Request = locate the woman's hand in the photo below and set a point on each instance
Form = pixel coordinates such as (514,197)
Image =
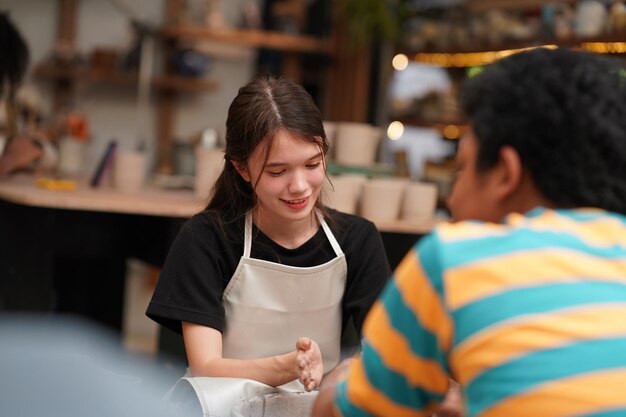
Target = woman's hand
(20,153)
(309,364)
(204,352)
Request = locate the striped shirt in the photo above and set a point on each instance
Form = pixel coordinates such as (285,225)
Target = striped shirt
(529,316)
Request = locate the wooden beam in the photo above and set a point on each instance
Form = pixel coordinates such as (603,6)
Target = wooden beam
(67,18)
(165,129)
(253,38)
(350,74)
(65,47)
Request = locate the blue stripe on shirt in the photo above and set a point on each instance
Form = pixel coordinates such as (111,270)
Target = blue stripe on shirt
(527,372)
(618,412)
(492,310)
(427,253)
(422,342)
(467,251)
(393,384)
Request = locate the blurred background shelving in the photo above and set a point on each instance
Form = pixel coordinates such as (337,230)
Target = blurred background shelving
(443,42)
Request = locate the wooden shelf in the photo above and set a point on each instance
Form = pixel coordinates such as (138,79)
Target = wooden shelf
(173,82)
(168,82)
(230,44)
(253,38)
(377,170)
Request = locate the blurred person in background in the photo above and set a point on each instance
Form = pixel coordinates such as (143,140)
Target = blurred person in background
(19,150)
(64,366)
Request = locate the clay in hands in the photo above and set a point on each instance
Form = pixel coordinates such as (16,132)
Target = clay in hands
(309,364)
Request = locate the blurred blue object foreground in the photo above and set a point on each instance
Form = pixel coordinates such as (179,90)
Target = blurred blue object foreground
(66,367)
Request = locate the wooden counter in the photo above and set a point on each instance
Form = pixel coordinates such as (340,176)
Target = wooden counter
(150,201)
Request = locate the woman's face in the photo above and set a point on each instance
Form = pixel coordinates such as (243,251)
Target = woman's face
(288,183)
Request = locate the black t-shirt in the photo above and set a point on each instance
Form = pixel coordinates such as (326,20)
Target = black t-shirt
(204,256)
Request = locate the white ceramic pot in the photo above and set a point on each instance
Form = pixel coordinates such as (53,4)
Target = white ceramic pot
(71,156)
(382,198)
(129,171)
(343,192)
(419,202)
(357,144)
(209,165)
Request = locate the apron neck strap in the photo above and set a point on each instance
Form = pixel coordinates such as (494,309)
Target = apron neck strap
(247,241)
(329,234)
(247,238)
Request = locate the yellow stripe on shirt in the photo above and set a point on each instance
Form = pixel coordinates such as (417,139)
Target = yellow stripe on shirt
(576,396)
(595,232)
(451,232)
(601,232)
(499,344)
(513,271)
(396,354)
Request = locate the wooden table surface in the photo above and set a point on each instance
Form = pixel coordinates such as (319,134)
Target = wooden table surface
(151,201)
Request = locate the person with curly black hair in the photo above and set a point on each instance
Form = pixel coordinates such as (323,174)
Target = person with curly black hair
(522,299)
(566,123)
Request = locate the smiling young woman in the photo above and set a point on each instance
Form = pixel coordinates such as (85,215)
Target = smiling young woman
(264,281)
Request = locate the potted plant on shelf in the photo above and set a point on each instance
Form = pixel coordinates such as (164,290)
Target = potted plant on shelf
(367,20)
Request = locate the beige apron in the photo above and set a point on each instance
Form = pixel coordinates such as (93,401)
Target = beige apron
(268,306)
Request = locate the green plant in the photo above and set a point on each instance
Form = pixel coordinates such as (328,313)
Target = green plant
(370,19)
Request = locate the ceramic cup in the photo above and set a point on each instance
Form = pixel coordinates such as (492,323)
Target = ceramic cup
(129,171)
(420,201)
(382,198)
(356,144)
(71,156)
(344,193)
(209,165)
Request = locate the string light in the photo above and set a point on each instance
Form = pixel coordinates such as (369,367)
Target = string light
(451,132)
(470,59)
(400,62)
(604,47)
(395,130)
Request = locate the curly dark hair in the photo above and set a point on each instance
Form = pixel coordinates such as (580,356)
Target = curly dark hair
(14,54)
(564,112)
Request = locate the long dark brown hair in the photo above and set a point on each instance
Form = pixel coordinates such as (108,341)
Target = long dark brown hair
(261,108)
